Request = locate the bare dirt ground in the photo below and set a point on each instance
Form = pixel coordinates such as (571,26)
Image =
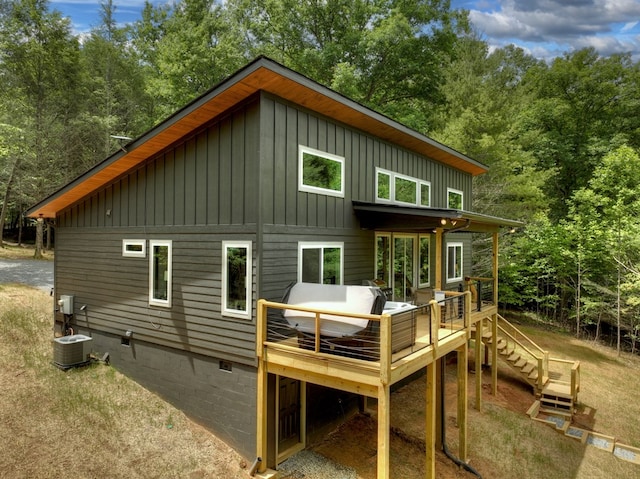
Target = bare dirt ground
(94,422)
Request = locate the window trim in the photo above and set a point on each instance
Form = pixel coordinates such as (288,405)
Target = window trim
(316,189)
(406,178)
(392,188)
(226,311)
(422,183)
(381,234)
(166,303)
(302,245)
(134,242)
(458,192)
(428,283)
(456,244)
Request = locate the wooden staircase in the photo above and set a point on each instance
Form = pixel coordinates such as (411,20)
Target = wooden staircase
(557,389)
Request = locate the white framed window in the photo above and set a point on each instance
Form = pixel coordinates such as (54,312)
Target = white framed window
(454,262)
(160,259)
(383,186)
(134,248)
(424,249)
(320,262)
(320,172)
(425,193)
(454,199)
(236,279)
(392,187)
(405,189)
(383,258)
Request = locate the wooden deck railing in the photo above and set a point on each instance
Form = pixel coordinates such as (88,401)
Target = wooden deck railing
(518,341)
(565,371)
(481,291)
(383,341)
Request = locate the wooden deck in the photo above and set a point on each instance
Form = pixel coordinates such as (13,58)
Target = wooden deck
(440,329)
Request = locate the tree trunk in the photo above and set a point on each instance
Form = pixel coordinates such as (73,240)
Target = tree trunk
(578,297)
(39,234)
(48,248)
(5,201)
(20,227)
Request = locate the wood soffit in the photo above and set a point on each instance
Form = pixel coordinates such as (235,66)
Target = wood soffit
(261,75)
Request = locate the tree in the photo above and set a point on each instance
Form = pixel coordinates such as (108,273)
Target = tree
(585,106)
(612,199)
(385,54)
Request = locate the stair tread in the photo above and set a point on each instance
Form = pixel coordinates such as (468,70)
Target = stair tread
(513,357)
(528,368)
(520,363)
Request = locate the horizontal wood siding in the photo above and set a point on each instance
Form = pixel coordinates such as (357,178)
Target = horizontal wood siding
(280,255)
(116,289)
(201,192)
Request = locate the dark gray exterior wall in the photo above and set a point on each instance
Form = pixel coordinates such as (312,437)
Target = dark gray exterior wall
(289,216)
(234,180)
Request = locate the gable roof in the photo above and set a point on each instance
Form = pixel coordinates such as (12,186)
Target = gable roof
(261,74)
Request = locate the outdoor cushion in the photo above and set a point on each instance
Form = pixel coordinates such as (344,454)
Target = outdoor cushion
(330,297)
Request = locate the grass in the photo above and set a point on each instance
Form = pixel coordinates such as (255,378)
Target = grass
(92,421)
(13,251)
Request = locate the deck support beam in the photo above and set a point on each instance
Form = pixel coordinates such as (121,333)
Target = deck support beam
(463,353)
(430,421)
(478,355)
(384,425)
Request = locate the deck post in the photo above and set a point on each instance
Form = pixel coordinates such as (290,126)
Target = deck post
(494,354)
(384,424)
(463,352)
(438,256)
(478,350)
(430,421)
(261,426)
(494,324)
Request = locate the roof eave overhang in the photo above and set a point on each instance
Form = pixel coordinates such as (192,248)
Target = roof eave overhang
(377,216)
(262,74)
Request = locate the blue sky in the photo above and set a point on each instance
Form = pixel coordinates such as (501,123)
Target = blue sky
(544,28)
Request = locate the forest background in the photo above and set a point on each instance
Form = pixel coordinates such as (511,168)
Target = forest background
(561,139)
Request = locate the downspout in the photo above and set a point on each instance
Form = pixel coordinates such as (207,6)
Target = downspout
(443,433)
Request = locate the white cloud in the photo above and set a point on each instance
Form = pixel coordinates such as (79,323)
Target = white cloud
(546,26)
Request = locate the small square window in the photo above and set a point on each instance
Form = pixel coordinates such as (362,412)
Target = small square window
(320,263)
(454,199)
(320,172)
(134,248)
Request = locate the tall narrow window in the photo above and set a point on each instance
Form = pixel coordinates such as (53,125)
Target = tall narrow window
(403,267)
(383,186)
(454,199)
(236,278)
(425,193)
(383,258)
(320,263)
(454,262)
(423,261)
(320,172)
(160,273)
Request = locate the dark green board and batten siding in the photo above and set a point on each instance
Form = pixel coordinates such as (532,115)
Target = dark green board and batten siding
(235,179)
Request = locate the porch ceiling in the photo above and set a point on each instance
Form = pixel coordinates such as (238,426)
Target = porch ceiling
(406,218)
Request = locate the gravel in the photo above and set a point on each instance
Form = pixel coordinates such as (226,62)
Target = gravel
(311,465)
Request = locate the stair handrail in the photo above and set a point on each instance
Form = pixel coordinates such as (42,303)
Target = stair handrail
(541,356)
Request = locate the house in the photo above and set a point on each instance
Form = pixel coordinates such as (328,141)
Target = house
(174,253)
